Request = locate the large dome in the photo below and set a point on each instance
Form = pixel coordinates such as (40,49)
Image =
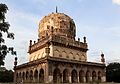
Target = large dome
(60,23)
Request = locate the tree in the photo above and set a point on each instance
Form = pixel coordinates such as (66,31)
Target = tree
(4,27)
(113,72)
(6,76)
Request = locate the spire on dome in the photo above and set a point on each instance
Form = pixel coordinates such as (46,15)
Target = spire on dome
(56,10)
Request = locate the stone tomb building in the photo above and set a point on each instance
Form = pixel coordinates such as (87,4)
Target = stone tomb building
(57,57)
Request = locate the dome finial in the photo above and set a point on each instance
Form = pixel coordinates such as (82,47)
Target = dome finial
(56,10)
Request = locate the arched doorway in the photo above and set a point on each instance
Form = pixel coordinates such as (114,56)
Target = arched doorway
(88,76)
(56,76)
(20,76)
(41,76)
(17,77)
(99,76)
(23,76)
(27,76)
(36,75)
(74,77)
(31,76)
(81,76)
(66,76)
(93,76)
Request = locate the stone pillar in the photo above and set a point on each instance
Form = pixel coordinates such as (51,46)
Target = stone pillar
(84,79)
(61,78)
(90,78)
(103,79)
(50,80)
(78,79)
(34,79)
(46,74)
(69,79)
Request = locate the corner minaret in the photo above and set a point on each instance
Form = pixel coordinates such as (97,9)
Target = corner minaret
(102,58)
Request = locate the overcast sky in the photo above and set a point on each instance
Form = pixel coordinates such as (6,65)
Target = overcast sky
(98,20)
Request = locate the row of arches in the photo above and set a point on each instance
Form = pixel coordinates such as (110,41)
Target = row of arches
(37,56)
(66,76)
(75,77)
(70,55)
(30,76)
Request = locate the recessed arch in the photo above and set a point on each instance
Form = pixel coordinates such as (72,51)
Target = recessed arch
(56,75)
(57,53)
(17,76)
(31,75)
(36,57)
(27,74)
(42,55)
(66,76)
(82,57)
(36,75)
(39,55)
(64,54)
(99,76)
(74,77)
(41,75)
(93,76)
(87,76)
(23,75)
(71,55)
(77,56)
(20,75)
(81,76)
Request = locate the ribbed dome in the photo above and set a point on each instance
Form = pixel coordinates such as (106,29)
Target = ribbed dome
(60,23)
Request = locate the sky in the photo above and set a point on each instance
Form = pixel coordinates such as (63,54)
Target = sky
(98,20)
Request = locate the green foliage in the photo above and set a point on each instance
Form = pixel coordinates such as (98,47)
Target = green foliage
(6,76)
(113,72)
(4,27)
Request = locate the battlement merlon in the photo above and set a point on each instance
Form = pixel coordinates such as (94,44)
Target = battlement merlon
(60,41)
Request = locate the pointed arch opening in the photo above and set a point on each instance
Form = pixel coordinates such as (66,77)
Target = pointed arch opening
(31,75)
(93,76)
(99,76)
(27,75)
(23,76)
(66,76)
(36,75)
(57,53)
(17,76)
(20,76)
(88,76)
(74,77)
(41,76)
(56,76)
(81,76)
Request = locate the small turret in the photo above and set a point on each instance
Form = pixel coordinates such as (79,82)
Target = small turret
(79,39)
(15,62)
(102,58)
(30,43)
(84,39)
(34,42)
(38,40)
